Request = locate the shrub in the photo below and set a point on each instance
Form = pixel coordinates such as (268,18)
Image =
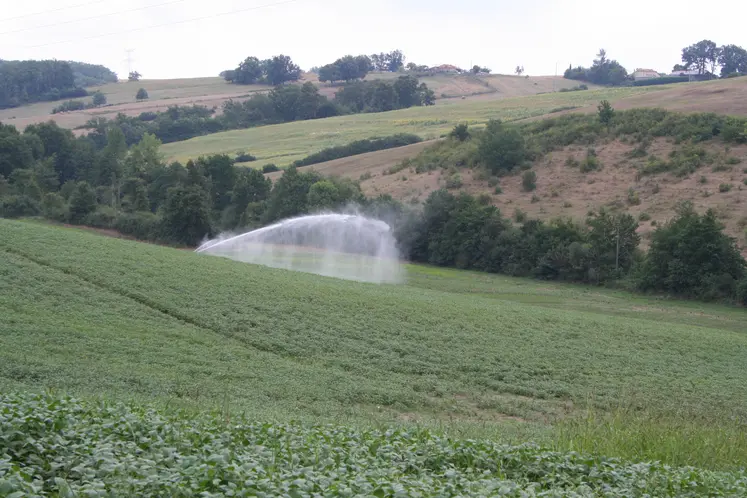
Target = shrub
(460,132)
(147,116)
(724,187)
(664,80)
(54,207)
(733,160)
(454,181)
(365,176)
(605,112)
(572,162)
(644,216)
(535,199)
(501,148)
(14,206)
(520,216)
(529,181)
(498,190)
(244,157)
(142,94)
(102,217)
(633,198)
(703,180)
(567,204)
(82,202)
(741,292)
(269,168)
(141,225)
(591,162)
(99,99)
(70,105)
(656,189)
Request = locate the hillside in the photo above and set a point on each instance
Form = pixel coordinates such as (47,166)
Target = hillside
(480,354)
(284,143)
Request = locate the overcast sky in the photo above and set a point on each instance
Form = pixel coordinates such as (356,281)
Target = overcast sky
(168,41)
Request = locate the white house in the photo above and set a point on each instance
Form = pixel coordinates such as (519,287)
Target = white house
(645,74)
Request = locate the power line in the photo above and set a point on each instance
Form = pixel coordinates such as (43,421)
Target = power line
(91,17)
(23,16)
(237,11)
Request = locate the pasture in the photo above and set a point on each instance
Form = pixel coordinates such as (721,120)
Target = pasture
(471,355)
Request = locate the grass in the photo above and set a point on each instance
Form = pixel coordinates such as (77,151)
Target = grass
(288,142)
(468,354)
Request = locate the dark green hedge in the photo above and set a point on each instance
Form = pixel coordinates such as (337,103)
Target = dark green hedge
(665,80)
(359,147)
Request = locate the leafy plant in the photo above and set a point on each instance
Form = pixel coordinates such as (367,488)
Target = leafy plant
(529,181)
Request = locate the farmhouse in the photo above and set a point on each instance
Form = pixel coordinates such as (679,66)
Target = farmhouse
(445,69)
(692,74)
(645,74)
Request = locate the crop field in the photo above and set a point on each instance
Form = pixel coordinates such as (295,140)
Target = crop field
(121,98)
(284,143)
(110,449)
(465,354)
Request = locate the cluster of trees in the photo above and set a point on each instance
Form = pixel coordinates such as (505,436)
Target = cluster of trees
(689,256)
(23,82)
(603,71)
(392,62)
(706,56)
(98,99)
(346,69)
(85,74)
(274,71)
(380,96)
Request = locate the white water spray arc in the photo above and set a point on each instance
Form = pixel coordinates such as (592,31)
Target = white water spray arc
(345,246)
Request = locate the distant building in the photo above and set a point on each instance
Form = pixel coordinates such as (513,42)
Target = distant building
(692,74)
(645,74)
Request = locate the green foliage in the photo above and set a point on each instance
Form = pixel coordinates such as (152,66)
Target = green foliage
(346,68)
(82,202)
(454,181)
(99,99)
(602,72)
(358,147)
(692,256)
(605,112)
(381,95)
(142,94)
(134,76)
(644,217)
(269,168)
(501,148)
(633,198)
(70,105)
(591,162)
(54,207)
(741,292)
(577,88)
(244,157)
(24,82)
(725,187)
(664,80)
(529,181)
(460,132)
(186,215)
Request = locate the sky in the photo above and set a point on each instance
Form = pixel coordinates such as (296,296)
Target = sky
(192,38)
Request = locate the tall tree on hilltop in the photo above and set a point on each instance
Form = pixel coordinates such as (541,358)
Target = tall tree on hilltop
(248,72)
(281,69)
(733,59)
(701,55)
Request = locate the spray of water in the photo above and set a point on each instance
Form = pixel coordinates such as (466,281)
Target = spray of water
(348,246)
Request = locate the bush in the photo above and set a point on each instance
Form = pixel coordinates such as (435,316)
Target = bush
(269,168)
(520,216)
(54,207)
(460,132)
(633,198)
(102,217)
(99,99)
(70,105)
(501,148)
(590,162)
(529,181)
(358,147)
(141,225)
(644,217)
(244,158)
(142,94)
(741,292)
(82,202)
(454,181)
(15,206)
(724,187)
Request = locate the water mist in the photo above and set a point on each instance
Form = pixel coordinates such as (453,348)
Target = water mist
(348,246)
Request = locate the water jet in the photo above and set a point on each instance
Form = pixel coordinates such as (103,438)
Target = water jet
(348,246)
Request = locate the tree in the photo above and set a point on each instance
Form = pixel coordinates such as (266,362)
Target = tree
(186,215)
(733,59)
(99,99)
(309,101)
(395,60)
(82,202)
(605,112)
(142,94)
(286,101)
(15,152)
(475,69)
(700,55)
(613,239)
(134,76)
(250,186)
(519,70)
(691,255)
(289,196)
(280,69)
(331,73)
(501,148)
(248,72)
(406,88)
(603,71)
(323,195)
(144,157)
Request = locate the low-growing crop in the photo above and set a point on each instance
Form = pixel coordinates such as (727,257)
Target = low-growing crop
(61,446)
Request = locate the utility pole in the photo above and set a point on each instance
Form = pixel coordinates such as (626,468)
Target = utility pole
(617,252)
(129,60)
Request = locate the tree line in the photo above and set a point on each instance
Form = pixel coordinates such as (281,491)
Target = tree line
(283,103)
(47,171)
(274,71)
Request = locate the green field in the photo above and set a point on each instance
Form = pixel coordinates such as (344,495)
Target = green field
(284,143)
(471,354)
